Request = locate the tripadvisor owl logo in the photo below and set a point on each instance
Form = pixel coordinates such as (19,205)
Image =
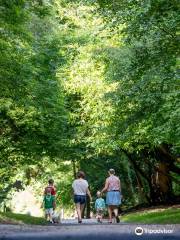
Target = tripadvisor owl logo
(139,231)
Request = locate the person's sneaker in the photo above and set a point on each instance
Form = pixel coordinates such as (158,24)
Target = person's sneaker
(79,221)
(117,219)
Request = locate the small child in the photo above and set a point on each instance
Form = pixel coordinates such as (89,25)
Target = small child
(49,205)
(100,207)
(51,187)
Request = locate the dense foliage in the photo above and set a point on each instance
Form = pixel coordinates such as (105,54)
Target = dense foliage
(32,111)
(145,124)
(91,85)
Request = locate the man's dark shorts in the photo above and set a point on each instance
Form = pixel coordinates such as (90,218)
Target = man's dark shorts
(80,199)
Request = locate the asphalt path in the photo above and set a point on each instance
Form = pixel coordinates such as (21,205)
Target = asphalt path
(90,231)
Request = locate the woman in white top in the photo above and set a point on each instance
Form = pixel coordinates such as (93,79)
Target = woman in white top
(80,188)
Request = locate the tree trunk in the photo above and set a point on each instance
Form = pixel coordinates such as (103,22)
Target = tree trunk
(162,184)
(88,208)
(159,182)
(139,172)
(74,168)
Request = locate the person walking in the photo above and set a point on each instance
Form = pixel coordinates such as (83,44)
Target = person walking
(113,195)
(51,187)
(100,207)
(49,205)
(81,190)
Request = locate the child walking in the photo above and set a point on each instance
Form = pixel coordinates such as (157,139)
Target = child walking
(49,205)
(100,207)
(51,187)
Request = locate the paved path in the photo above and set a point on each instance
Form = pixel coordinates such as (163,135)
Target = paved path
(69,230)
(85,221)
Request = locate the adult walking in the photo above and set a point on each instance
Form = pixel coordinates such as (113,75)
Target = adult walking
(81,190)
(113,195)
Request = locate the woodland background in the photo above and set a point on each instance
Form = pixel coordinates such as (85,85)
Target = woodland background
(90,85)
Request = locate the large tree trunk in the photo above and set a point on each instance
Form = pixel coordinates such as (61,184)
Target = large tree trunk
(162,184)
(157,177)
(139,173)
(161,178)
(163,154)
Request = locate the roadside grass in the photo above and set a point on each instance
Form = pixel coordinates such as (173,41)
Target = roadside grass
(148,216)
(156,216)
(16,218)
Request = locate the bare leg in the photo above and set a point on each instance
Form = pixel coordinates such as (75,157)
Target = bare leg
(78,209)
(116,214)
(82,209)
(116,211)
(110,213)
(100,217)
(50,217)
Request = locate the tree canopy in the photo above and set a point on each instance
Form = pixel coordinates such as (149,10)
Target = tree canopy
(91,85)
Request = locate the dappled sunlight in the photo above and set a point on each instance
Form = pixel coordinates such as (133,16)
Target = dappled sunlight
(155,210)
(89,85)
(25,202)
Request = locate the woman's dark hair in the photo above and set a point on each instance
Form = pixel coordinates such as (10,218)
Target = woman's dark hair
(51,181)
(80,174)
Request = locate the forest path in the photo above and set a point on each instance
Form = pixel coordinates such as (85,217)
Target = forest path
(88,231)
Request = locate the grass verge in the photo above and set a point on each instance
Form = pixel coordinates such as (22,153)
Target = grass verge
(156,216)
(15,218)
